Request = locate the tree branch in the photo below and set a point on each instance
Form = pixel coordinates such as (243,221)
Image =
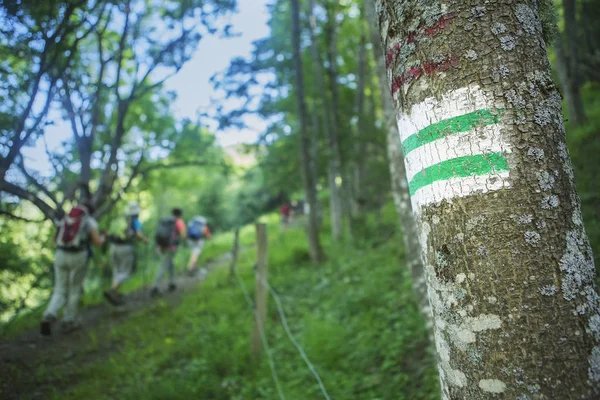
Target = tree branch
(23,219)
(96,99)
(34,182)
(50,158)
(167,49)
(25,194)
(18,140)
(122,49)
(68,105)
(180,164)
(134,173)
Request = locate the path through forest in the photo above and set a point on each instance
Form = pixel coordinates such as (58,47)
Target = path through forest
(21,357)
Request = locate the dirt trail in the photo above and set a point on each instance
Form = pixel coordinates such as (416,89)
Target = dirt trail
(20,356)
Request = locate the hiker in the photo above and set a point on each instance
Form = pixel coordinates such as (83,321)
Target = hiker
(170,231)
(75,232)
(197,231)
(284,212)
(122,253)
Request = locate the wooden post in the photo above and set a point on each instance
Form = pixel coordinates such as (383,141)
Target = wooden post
(234,252)
(261,290)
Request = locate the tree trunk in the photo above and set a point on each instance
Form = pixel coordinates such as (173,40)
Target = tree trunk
(84,146)
(337,184)
(586,25)
(398,173)
(314,245)
(335,208)
(109,174)
(359,156)
(567,83)
(509,269)
(314,155)
(573,81)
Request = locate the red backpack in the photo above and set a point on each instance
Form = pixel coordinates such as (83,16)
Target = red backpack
(70,233)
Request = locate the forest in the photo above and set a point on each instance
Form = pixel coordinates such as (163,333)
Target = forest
(416,215)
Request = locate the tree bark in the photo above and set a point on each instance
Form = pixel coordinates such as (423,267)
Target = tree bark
(337,184)
(84,145)
(586,25)
(330,128)
(358,162)
(509,269)
(314,244)
(314,155)
(573,77)
(399,185)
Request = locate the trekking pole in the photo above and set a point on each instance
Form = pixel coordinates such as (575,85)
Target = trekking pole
(145,264)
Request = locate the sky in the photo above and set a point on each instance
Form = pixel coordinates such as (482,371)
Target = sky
(213,55)
(192,84)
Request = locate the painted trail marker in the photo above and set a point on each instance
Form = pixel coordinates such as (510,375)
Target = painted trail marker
(453,147)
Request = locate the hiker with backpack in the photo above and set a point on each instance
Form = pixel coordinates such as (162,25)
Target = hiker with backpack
(170,231)
(284,212)
(122,253)
(197,231)
(75,232)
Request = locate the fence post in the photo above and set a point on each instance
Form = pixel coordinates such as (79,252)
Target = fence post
(234,252)
(261,290)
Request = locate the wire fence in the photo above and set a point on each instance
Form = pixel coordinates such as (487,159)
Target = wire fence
(287,329)
(262,336)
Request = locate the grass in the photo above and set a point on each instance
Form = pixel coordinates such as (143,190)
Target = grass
(99,279)
(355,316)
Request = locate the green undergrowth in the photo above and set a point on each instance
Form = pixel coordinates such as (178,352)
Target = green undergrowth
(584,147)
(354,315)
(99,274)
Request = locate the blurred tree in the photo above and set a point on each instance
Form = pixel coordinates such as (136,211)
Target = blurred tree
(310,190)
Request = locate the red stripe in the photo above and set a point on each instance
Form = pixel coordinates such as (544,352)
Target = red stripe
(413,36)
(427,68)
(439,26)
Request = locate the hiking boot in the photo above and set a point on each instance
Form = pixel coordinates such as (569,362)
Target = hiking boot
(113,297)
(155,292)
(46,325)
(119,298)
(69,326)
(45,328)
(172,287)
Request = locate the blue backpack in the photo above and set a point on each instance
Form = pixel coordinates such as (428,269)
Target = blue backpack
(196,229)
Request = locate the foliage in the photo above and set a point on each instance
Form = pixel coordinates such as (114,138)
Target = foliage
(584,145)
(365,345)
(271,69)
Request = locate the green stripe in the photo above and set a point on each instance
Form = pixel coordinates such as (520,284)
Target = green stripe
(479,164)
(462,123)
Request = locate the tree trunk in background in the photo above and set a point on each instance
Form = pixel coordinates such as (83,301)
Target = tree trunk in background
(329,126)
(573,76)
(314,155)
(586,24)
(398,173)
(509,269)
(359,152)
(322,109)
(84,146)
(314,244)
(336,168)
